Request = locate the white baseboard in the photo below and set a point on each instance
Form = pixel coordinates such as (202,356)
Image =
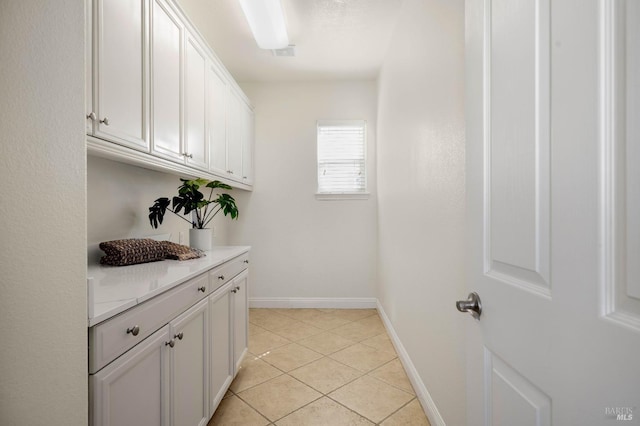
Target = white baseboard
(314,302)
(422,393)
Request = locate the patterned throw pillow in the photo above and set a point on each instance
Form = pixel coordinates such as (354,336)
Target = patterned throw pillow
(132,251)
(180,252)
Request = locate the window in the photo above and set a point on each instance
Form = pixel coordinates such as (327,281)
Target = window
(341,157)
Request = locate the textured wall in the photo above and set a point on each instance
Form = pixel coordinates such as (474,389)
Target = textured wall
(43,354)
(421,194)
(303,247)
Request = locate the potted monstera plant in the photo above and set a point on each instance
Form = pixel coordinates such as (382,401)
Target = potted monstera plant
(190,201)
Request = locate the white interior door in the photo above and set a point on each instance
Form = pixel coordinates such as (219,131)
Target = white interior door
(553,100)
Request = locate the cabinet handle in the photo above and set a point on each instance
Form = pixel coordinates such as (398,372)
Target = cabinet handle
(237,287)
(105,121)
(133,330)
(234,291)
(184,154)
(179,336)
(171,343)
(202,289)
(230,172)
(244,177)
(92,116)
(246,261)
(221,277)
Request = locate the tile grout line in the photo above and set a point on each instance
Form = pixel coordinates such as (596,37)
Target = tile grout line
(401,407)
(331,331)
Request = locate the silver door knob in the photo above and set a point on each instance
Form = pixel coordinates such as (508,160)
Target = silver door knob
(133,330)
(92,116)
(171,343)
(471,305)
(179,336)
(105,121)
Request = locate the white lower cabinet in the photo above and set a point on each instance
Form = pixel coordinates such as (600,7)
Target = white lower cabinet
(189,367)
(229,322)
(222,371)
(132,389)
(240,317)
(178,375)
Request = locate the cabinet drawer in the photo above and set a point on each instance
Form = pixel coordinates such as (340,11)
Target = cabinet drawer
(223,274)
(112,338)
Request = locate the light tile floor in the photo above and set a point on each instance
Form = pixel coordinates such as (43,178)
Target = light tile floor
(319,367)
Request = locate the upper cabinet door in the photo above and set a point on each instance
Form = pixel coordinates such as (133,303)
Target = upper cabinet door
(247,144)
(88,69)
(196,147)
(166,53)
(119,73)
(217,96)
(234,137)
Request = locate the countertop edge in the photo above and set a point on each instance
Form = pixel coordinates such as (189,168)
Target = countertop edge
(233,252)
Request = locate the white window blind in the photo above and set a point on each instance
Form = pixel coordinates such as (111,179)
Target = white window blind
(342,157)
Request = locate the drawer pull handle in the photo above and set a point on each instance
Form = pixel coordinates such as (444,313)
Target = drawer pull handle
(179,336)
(234,290)
(221,277)
(171,343)
(246,261)
(133,330)
(202,289)
(238,287)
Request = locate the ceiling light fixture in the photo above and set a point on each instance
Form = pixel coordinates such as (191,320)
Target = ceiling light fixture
(266,20)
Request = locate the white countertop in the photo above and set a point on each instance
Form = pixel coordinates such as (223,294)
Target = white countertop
(114,289)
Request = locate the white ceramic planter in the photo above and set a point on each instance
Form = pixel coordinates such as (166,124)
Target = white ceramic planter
(201,238)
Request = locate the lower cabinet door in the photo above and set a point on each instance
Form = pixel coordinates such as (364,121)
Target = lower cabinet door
(221,372)
(240,317)
(189,367)
(131,390)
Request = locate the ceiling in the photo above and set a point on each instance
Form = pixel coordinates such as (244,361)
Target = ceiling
(335,39)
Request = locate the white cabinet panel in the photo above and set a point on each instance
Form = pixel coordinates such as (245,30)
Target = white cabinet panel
(221,364)
(120,98)
(166,54)
(240,317)
(88,68)
(196,149)
(247,145)
(234,137)
(131,390)
(189,404)
(217,95)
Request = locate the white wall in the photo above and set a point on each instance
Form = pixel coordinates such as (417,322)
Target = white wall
(421,195)
(118,199)
(303,247)
(43,342)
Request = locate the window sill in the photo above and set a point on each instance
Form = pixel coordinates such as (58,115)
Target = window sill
(324,196)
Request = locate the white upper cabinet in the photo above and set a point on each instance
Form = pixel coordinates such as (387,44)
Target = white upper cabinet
(217,95)
(234,137)
(166,53)
(155,86)
(196,150)
(119,74)
(247,145)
